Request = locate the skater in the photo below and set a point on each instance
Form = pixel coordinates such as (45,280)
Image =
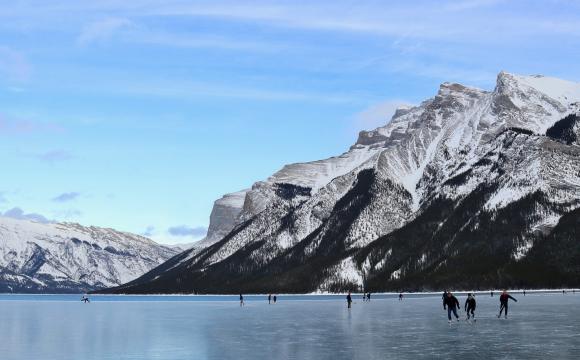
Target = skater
(348,300)
(275,299)
(269,299)
(451,304)
(469,307)
(524,292)
(368,296)
(442,297)
(401,297)
(491,293)
(503,301)
(241,300)
(85,299)
(364,296)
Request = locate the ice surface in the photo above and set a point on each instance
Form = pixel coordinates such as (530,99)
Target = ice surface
(166,327)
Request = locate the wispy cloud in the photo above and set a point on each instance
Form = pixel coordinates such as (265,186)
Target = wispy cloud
(65,197)
(102,30)
(452,20)
(378,114)
(67,214)
(149,231)
(10,125)
(184,230)
(196,90)
(14,65)
(196,41)
(18,213)
(53,156)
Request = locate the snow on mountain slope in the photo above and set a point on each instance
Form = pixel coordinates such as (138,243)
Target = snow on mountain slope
(223,218)
(66,257)
(385,210)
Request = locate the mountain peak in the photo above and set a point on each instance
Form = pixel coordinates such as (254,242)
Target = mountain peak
(564,91)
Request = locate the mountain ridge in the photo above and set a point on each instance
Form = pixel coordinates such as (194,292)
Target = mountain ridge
(70,258)
(336,224)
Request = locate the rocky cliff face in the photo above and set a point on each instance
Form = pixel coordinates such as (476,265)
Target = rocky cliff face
(461,190)
(70,258)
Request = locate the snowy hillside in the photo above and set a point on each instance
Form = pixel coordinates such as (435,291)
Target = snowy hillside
(66,257)
(467,175)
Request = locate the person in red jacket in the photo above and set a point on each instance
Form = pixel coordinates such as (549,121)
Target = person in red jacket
(503,303)
(451,304)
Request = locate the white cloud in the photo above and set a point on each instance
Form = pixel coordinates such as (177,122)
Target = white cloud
(102,30)
(53,156)
(18,213)
(184,230)
(67,196)
(149,231)
(378,114)
(14,65)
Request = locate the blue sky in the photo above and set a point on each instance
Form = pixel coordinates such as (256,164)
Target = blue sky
(137,115)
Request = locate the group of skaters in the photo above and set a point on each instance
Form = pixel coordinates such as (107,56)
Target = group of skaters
(271,299)
(365,297)
(451,304)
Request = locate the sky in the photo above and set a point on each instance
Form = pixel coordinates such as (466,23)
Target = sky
(138,115)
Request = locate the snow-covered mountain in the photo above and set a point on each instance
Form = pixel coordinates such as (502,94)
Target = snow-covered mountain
(471,188)
(67,257)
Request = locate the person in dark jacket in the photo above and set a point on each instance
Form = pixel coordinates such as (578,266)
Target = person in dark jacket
(348,300)
(269,299)
(241,300)
(503,303)
(368,296)
(451,304)
(469,307)
(275,298)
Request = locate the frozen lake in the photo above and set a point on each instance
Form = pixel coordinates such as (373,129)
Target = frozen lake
(541,326)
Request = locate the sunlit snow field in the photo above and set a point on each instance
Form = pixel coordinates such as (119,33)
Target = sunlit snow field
(540,326)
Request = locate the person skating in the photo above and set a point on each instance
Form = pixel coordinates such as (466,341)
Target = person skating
(241,300)
(470,306)
(369,296)
(85,299)
(451,304)
(275,299)
(269,299)
(401,297)
(444,295)
(503,303)
(349,300)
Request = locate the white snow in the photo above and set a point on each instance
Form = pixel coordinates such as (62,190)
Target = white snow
(74,253)
(420,149)
(395,275)
(563,91)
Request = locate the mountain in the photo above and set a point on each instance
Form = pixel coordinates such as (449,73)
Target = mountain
(69,258)
(469,189)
